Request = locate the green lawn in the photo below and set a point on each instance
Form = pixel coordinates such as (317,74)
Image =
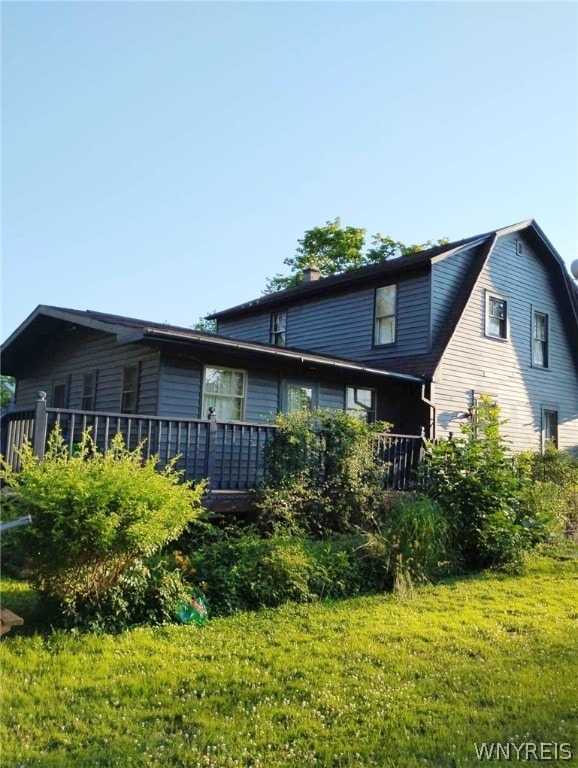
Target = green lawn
(372,681)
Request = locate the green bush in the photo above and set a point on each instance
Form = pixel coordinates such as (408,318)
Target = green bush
(477,482)
(246,571)
(553,488)
(322,475)
(96,519)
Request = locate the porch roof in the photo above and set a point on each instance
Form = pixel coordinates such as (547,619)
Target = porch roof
(45,319)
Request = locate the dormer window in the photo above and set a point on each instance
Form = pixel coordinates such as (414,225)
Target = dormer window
(278,328)
(385,315)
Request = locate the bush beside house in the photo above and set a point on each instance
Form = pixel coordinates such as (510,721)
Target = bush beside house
(115,542)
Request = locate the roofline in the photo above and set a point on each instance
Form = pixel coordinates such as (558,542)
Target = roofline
(150,331)
(417,261)
(287,354)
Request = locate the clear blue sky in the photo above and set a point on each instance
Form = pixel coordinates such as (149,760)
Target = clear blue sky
(161,159)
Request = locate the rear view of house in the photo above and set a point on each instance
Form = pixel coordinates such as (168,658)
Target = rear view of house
(413,341)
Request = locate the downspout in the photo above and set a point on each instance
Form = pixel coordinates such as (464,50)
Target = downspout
(433,410)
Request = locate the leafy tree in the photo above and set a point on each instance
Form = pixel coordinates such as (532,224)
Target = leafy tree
(333,249)
(7,384)
(203,324)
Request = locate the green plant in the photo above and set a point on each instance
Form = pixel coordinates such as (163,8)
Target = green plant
(553,488)
(476,481)
(322,475)
(96,517)
(417,538)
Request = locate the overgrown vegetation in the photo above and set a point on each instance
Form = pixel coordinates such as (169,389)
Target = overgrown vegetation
(484,492)
(322,475)
(115,542)
(98,519)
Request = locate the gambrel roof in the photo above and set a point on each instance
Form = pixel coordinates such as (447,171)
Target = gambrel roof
(418,263)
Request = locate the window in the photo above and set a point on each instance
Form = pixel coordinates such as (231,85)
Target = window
(130,388)
(385,310)
(550,428)
(60,391)
(299,395)
(89,391)
(539,340)
(360,403)
(278,328)
(496,317)
(224,390)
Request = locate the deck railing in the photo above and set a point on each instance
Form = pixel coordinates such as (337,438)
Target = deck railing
(232,454)
(402,456)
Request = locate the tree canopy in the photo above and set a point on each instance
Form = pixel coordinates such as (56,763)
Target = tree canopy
(333,249)
(6,390)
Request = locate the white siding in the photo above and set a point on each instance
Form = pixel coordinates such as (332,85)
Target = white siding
(474,363)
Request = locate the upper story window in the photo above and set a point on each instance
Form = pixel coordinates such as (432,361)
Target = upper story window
(360,403)
(130,388)
(224,390)
(89,391)
(496,316)
(539,339)
(278,329)
(385,315)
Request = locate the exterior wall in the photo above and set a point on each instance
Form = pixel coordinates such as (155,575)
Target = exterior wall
(447,277)
(85,351)
(343,325)
(474,363)
(180,391)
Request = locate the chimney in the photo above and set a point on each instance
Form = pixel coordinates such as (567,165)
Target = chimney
(311,274)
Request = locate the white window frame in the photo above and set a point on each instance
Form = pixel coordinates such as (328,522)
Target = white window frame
(370,413)
(278,328)
(216,396)
(378,318)
(304,384)
(548,408)
(546,342)
(497,297)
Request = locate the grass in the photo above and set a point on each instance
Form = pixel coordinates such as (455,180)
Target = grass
(373,681)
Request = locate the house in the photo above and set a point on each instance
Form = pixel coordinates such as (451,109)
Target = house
(496,313)
(413,341)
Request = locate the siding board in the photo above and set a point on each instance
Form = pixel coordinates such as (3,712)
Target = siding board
(87,350)
(474,363)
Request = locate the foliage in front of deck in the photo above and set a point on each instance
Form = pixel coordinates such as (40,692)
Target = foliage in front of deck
(322,474)
(98,519)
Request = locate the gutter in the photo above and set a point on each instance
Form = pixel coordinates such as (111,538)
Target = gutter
(433,410)
(282,354)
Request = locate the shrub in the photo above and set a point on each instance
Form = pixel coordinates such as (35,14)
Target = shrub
(322,475)
(96,518)
(553,488)
(476,481)
(246,571)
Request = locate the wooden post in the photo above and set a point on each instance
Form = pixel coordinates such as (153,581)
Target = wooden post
(40,426)
(211,444)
